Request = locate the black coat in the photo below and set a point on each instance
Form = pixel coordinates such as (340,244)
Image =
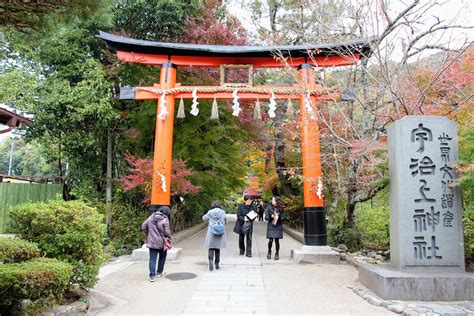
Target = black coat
(274,231)
(242,211)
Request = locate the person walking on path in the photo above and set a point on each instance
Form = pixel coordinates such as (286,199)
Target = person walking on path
(260,211)
(244,227)
(215,237)
(275,216)
(157,229)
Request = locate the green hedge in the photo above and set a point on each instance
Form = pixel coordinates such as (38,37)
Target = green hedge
(38,278)
(125,234)
(373,221)
(350,237)
(293,206)
(17,250)
(70,231)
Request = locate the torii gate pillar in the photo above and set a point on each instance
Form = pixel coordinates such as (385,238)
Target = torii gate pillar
(315,249)
(314,211)
(163,149)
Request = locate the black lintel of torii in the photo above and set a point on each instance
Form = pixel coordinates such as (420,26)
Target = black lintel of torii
(347,48)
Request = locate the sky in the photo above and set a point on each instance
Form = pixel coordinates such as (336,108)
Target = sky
(459,12)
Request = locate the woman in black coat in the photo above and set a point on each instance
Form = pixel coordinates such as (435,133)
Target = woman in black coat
(275,216)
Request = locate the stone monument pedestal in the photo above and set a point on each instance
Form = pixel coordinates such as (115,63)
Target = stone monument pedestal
(434,284)
(143,254)
(315,254)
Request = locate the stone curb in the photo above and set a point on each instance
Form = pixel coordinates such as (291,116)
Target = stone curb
(299,236)
(184,234)
(415,308)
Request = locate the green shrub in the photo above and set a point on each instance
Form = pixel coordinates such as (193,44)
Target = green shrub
(124,230)
(38,278)
(350,237)
(373,221)
(468,222)
(374,225)
(17,250)
(69,231)
(294,206)
(333,235)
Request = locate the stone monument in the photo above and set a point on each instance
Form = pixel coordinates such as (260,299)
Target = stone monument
(426,235)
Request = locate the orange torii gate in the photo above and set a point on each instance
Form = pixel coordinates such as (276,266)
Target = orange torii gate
(306,57)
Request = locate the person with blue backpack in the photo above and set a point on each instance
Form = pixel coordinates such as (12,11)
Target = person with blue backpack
(215,237)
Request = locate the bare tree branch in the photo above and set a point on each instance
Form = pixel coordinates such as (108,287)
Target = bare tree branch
(391,26)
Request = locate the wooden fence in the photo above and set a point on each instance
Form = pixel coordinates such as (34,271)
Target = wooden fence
(12,194)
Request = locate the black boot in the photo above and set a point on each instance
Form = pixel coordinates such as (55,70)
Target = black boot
(277,256)
(269,254)
(218,258)
(211,259)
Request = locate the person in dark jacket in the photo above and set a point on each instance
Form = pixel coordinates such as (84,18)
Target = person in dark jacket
(213,242)
(242,212)
(157,229)
(275,216)
(260,211)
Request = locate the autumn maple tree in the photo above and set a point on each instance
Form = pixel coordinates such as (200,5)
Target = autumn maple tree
(140,174)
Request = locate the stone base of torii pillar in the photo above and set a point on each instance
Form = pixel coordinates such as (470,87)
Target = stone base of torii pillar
(315,254)
(314,237)
(143,254)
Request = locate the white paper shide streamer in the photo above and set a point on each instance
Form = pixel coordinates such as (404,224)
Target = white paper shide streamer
(257,113)
(163,110)
(236,106)
(181,113)
(309,107)
(319,191)
(215,110)
(194,109)
(163,181)
(272,106)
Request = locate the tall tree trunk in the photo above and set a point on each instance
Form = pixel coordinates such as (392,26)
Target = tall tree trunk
(268,157)
(66,188)
(286,188)
(108,189)
(351,194)
(273,6)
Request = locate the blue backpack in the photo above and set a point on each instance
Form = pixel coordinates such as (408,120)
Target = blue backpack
(217,228)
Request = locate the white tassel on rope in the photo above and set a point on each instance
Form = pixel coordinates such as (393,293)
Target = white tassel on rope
(236,106)
(309,108)
(289,109)
(272,106)
(163,181)
(257,113)
(163,110)
(194,109)
(215,110)
(181,113)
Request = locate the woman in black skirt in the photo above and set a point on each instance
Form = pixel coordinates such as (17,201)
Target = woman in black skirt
(275,216)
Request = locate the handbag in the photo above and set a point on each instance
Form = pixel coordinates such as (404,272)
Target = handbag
(167,243)
(246,227)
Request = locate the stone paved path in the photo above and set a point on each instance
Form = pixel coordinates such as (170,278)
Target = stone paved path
(243,286)
(236,290)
